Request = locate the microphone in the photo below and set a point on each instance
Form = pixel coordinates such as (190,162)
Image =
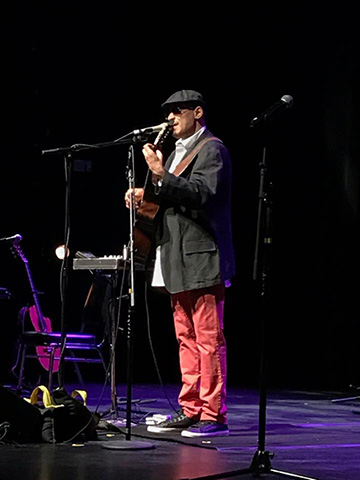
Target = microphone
(286,101)
(154,129)
(15,238)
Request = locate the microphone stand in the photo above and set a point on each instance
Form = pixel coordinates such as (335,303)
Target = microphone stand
(131,307)
(261,275)
(130,444)
(131,139)
(67,153)
(64,265)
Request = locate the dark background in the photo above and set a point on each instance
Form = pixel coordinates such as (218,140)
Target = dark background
(89,74)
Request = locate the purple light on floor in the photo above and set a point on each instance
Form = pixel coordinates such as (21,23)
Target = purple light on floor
(315,425)
(293,447)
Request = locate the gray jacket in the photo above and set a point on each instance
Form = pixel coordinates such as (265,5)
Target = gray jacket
(194,228)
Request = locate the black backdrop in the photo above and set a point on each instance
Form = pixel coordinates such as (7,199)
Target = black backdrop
(89,74)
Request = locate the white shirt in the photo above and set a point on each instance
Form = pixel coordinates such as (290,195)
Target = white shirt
(182,146)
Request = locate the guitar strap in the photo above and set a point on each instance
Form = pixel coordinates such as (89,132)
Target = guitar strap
(189,158)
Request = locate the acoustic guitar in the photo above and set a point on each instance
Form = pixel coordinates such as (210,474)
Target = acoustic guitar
(40,323)
(145,223)
(146,214)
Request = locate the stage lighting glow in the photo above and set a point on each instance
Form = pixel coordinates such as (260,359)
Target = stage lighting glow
(60,252)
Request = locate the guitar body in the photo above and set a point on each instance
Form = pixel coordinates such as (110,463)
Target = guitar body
(41,324)
(145,227)
(43,352)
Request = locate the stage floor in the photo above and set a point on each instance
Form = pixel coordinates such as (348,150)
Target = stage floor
(309,434)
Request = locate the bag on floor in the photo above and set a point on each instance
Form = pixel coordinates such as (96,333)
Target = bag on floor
(64,417)
(20,422)
(80,418)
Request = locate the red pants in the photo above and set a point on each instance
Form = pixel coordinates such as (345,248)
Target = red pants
(198,316)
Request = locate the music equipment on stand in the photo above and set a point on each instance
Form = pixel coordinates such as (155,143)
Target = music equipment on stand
(107,263)
(111,262)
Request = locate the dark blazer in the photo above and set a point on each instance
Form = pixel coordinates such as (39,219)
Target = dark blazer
(195,230)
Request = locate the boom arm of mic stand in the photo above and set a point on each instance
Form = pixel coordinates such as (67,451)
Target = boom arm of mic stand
(129,138)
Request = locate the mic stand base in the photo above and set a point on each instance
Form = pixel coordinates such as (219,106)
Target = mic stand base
(128,445)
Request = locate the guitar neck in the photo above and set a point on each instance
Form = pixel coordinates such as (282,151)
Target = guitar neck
(35,297)
(158,143)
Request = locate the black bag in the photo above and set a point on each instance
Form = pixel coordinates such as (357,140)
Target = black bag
(76,421)
(20,421)
(55,418)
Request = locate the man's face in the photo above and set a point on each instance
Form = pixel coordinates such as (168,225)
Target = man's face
(186,120)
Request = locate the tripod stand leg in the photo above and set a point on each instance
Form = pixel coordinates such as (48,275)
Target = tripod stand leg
(260,464)
(290,475)
(219,476)
(345,399)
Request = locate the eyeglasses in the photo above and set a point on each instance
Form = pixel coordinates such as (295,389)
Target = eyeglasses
(177,109)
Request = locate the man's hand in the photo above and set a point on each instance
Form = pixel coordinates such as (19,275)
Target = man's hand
(138,194)
(154,159)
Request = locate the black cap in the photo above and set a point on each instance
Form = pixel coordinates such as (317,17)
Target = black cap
(184,97)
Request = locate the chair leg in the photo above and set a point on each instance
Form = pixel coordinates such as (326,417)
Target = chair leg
(102,359)
(78,373)
(14,368)
(51,369)
(22,366)
(77,370)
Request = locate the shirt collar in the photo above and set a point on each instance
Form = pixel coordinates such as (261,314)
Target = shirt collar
(189,142)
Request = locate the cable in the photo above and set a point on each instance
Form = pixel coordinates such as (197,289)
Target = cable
(4,427)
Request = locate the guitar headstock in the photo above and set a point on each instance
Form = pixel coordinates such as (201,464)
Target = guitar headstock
(163,134)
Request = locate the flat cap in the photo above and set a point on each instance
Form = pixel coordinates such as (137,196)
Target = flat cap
(184,96)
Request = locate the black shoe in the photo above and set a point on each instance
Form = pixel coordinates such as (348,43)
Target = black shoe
(206,428)
(177,423)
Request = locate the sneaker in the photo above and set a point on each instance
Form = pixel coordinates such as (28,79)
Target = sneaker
(179,422)
(206,428)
